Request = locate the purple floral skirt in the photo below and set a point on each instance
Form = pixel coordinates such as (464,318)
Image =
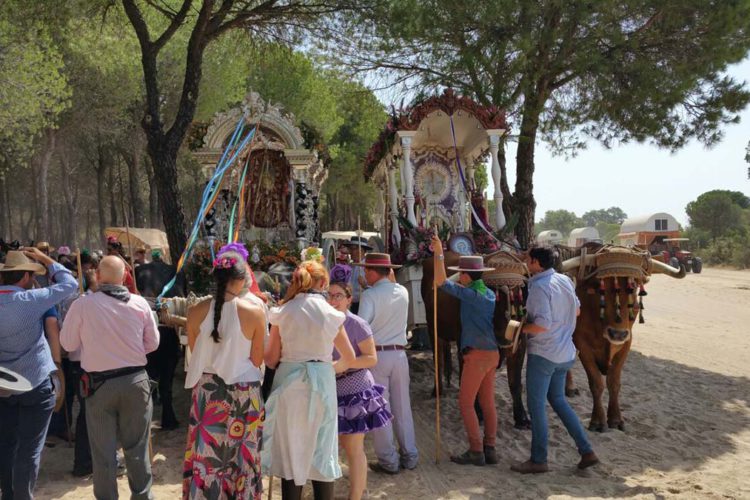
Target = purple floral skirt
(362,407)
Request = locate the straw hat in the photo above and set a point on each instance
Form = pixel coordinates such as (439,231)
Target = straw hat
(16,261)
(12,383)
(513,333)
(471,263)
(44,245)
(373,259)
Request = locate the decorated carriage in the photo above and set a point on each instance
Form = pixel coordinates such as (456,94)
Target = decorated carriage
(424,165)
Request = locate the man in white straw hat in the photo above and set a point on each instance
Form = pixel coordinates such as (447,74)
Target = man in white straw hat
(385,306)
(479,351)
(24,418)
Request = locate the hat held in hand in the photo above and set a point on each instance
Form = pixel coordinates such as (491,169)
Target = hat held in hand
(17,261)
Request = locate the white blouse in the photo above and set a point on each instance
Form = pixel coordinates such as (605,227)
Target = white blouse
(307,325)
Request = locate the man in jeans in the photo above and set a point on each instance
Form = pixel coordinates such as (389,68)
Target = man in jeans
(24,418)
(479,351)
(552,308)
(115,330)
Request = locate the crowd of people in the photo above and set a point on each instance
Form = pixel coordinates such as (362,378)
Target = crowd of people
(276,388)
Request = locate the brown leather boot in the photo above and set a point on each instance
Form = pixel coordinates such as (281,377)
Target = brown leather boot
(529,467)
(469,457)
(490,455)
(587,460)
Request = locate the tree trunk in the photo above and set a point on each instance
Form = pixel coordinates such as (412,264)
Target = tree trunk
(100,169)
(523,197)
(111,185)
(504,189)
(165,174)
(35,227)
(5,215)
(133,161)
(50,136)
(153,196)
(8,211)
(70,209)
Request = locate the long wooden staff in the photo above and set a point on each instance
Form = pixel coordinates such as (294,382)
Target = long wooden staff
(437,372)
(270,487)
(80,271)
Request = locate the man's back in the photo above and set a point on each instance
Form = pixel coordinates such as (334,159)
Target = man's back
(552,303)
(112,333)
(386,307)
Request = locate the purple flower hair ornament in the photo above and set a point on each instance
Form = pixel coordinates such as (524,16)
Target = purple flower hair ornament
(224,262)
(234,247)
(341,273)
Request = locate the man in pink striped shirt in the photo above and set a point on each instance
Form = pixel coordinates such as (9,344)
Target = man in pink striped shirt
(115,330)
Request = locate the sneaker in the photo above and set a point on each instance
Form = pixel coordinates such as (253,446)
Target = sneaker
(587,460)
(529,467)
(490,455)
(469,457)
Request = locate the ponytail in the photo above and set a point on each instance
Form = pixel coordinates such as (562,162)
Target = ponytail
(228,266)
(307,274)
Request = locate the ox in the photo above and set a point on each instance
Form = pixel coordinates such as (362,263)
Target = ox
(449,330)
(607,284)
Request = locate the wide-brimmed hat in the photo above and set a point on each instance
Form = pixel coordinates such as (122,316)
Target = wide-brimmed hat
(16,261)
(13,383)
(358,241)
(377,260)
(513,333)
(45,244)
(471,263)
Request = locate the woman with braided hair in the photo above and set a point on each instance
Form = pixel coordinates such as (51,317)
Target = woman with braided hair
(226,335)
(300,440)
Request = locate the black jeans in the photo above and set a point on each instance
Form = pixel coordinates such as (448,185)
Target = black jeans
(161,366)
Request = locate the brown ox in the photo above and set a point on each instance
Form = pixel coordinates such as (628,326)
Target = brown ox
(603,338)
(449,330)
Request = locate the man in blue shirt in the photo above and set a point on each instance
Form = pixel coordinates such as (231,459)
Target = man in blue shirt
(552,308)
(24,418)
(479,350)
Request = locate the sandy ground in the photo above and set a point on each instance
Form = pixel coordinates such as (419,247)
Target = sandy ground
(685,398)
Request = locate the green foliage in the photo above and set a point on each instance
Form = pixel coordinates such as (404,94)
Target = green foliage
(33,87)
(718,212)
(729,250)
(611,215)
(561,220)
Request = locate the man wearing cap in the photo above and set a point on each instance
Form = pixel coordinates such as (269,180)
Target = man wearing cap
(24,418)
(357,245)
(552,307)
(478,349)
(385,306)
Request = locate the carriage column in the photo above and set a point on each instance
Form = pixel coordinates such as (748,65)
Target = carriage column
(408,172)
(393,201)
(495,135)
(304,227)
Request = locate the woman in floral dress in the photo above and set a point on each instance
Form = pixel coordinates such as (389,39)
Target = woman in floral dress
(226,336)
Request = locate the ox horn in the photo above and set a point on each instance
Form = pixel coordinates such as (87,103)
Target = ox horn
(658,267)
(575,262)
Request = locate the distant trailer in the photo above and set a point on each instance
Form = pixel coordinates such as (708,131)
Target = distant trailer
(648,231)
(549,237)
(581,235)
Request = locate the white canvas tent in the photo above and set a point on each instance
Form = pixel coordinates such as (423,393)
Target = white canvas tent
(151,239)
(549,237)
(581,235)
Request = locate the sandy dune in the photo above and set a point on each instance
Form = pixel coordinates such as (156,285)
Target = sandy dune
(685,398)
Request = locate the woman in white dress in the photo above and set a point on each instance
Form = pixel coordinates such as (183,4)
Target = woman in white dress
(300,439)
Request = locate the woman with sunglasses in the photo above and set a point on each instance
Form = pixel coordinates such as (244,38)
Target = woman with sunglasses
(362,406)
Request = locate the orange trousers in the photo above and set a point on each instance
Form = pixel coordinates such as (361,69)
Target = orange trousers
(478,379)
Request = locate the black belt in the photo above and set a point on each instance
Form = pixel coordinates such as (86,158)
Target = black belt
(390,348)
(117,372)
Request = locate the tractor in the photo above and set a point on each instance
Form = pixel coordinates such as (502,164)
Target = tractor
(678,255)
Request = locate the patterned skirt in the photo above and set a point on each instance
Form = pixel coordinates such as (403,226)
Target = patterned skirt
(224,440)
(362,407)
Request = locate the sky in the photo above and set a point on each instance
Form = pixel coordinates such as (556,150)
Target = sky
(639,178)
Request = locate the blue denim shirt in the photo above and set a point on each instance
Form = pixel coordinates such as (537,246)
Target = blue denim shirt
(23,347)
(552,304)
(477,313)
